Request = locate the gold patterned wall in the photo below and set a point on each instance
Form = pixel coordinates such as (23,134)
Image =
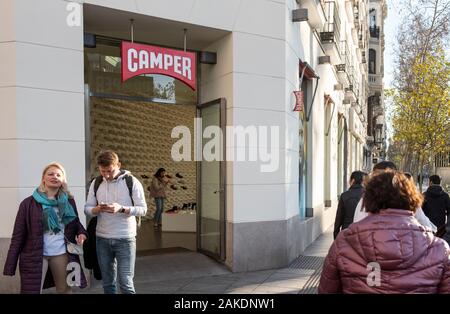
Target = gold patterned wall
(140,133)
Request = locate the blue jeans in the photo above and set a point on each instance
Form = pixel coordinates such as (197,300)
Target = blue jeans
(159,202)
(122,251)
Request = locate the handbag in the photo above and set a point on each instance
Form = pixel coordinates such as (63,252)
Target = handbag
(73,248)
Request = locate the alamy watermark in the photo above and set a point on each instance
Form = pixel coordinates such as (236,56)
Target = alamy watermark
(73,19)
(73,278)
(251,143)
(374,277)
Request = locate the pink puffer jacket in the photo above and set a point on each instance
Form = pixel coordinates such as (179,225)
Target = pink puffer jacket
(410,258)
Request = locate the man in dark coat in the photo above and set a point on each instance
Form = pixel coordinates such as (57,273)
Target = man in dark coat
(348,202)
(436,204)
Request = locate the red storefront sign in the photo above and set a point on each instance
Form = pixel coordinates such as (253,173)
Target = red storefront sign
(140,59)
(298,100)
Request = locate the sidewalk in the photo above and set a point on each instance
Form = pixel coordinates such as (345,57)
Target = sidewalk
(194,273)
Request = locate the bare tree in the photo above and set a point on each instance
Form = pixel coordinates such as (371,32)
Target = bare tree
(424,29)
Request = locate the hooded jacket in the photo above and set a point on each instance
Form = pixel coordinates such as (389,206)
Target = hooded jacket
(387,252)
(436,205)
(118,225)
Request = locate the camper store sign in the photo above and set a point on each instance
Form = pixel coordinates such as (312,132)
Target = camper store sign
(140,59)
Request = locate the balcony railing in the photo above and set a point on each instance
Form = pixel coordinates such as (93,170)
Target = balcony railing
(351,79)
(331,30)
(375,79)
(316,13)
(374,32)
(356,16)
(345,57)
(362,37)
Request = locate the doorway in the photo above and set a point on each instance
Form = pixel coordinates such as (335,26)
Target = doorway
(136,119)
(212,173)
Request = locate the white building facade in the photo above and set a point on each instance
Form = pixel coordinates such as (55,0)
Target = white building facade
(376,129)
(59,61)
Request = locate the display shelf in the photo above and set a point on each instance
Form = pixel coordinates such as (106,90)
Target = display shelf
(140,133)
(181,221)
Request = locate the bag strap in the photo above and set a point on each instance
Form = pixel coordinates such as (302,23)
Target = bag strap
(129,181)
(97,182)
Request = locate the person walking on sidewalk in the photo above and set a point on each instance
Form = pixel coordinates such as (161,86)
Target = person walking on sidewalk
(348,201)
(44,222)
(389,251)
(361,213)
(116,227)
(436,204)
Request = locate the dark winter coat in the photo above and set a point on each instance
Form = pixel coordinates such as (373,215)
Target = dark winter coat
(27,246)
(410,258)
(436,205)
(90,249)
(346,208)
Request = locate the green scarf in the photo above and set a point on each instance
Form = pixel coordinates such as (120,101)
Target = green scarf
(66,211)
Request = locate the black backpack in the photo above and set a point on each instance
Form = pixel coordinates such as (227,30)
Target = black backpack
(128,179)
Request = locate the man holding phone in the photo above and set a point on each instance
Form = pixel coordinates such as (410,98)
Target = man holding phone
(116,210)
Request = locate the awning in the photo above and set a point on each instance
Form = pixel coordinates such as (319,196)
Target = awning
(329,100)
(306,71)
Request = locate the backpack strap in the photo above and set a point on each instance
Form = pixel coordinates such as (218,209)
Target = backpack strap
(97,182)
(129,181)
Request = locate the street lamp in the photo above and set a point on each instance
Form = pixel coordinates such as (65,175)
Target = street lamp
(379,133)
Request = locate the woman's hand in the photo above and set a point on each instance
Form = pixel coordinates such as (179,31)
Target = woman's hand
(80,239)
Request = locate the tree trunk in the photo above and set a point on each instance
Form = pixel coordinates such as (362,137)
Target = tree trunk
(432,163)
(421,172)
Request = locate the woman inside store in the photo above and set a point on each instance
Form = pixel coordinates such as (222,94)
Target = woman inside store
(45,222)
(389,251)
(158,191)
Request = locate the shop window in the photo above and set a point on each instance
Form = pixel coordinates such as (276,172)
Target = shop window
(303,152)
(103,74)
(373,18)
(372,61)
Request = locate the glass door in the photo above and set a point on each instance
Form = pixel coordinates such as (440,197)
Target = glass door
(211,167)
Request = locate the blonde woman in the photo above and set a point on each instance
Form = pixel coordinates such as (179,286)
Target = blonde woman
(44,222)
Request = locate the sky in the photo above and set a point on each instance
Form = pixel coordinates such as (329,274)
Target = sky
(391,24)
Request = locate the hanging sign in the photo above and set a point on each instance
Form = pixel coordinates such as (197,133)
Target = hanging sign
(140,59)
(299,100)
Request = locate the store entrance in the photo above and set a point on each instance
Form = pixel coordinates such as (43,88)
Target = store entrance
(136,119)
(140,132)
